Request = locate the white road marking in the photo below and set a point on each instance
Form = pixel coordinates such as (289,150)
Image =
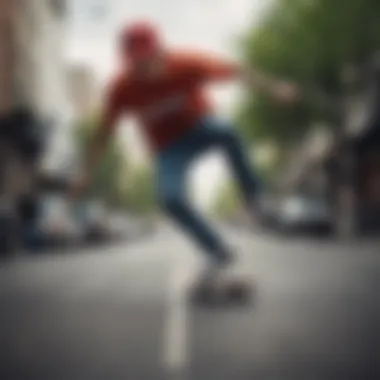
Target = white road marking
(176,329)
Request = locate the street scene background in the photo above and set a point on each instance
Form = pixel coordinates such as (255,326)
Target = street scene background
(97,289)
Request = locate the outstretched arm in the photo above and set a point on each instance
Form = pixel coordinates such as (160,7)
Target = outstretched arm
(208,68)
(280,90)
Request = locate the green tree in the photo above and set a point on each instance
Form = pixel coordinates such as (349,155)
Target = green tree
(308,41)
(116,182)
(106,184)
(139,195)
(227,201)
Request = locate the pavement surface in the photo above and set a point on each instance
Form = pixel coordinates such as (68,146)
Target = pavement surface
(121,312)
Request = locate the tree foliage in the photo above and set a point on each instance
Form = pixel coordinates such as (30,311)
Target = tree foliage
(116,182)
(139,192)
(226,201)
(106,184)
(310,42)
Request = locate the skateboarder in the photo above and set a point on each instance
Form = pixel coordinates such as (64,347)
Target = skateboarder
(164,90)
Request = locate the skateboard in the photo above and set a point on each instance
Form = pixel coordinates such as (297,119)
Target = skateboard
(234,292)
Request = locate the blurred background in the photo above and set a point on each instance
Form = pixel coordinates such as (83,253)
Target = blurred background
(320,159)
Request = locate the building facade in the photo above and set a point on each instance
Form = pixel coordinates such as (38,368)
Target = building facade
(31,68)
(47,92)
(8,52)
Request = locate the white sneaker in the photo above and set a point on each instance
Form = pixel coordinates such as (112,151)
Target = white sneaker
(220,275)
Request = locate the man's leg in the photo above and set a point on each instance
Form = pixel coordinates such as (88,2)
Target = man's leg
(221,134)
(171,181)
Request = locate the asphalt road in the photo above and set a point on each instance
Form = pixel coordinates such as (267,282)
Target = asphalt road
(121,313)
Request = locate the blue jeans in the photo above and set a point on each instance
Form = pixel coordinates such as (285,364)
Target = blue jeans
(172,168)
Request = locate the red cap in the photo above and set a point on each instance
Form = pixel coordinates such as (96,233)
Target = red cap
(139,40)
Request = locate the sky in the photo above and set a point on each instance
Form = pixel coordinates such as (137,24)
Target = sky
(205,24)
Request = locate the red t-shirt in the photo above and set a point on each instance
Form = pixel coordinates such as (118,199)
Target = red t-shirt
(171,104)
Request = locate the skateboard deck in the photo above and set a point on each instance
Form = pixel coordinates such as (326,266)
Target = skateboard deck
(234,292)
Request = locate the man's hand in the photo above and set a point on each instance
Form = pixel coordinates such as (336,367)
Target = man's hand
(285,92)
(280,90)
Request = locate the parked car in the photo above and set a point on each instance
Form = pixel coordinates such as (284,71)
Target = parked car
(269,211)
(93,219)
(56,226)
(301,214)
